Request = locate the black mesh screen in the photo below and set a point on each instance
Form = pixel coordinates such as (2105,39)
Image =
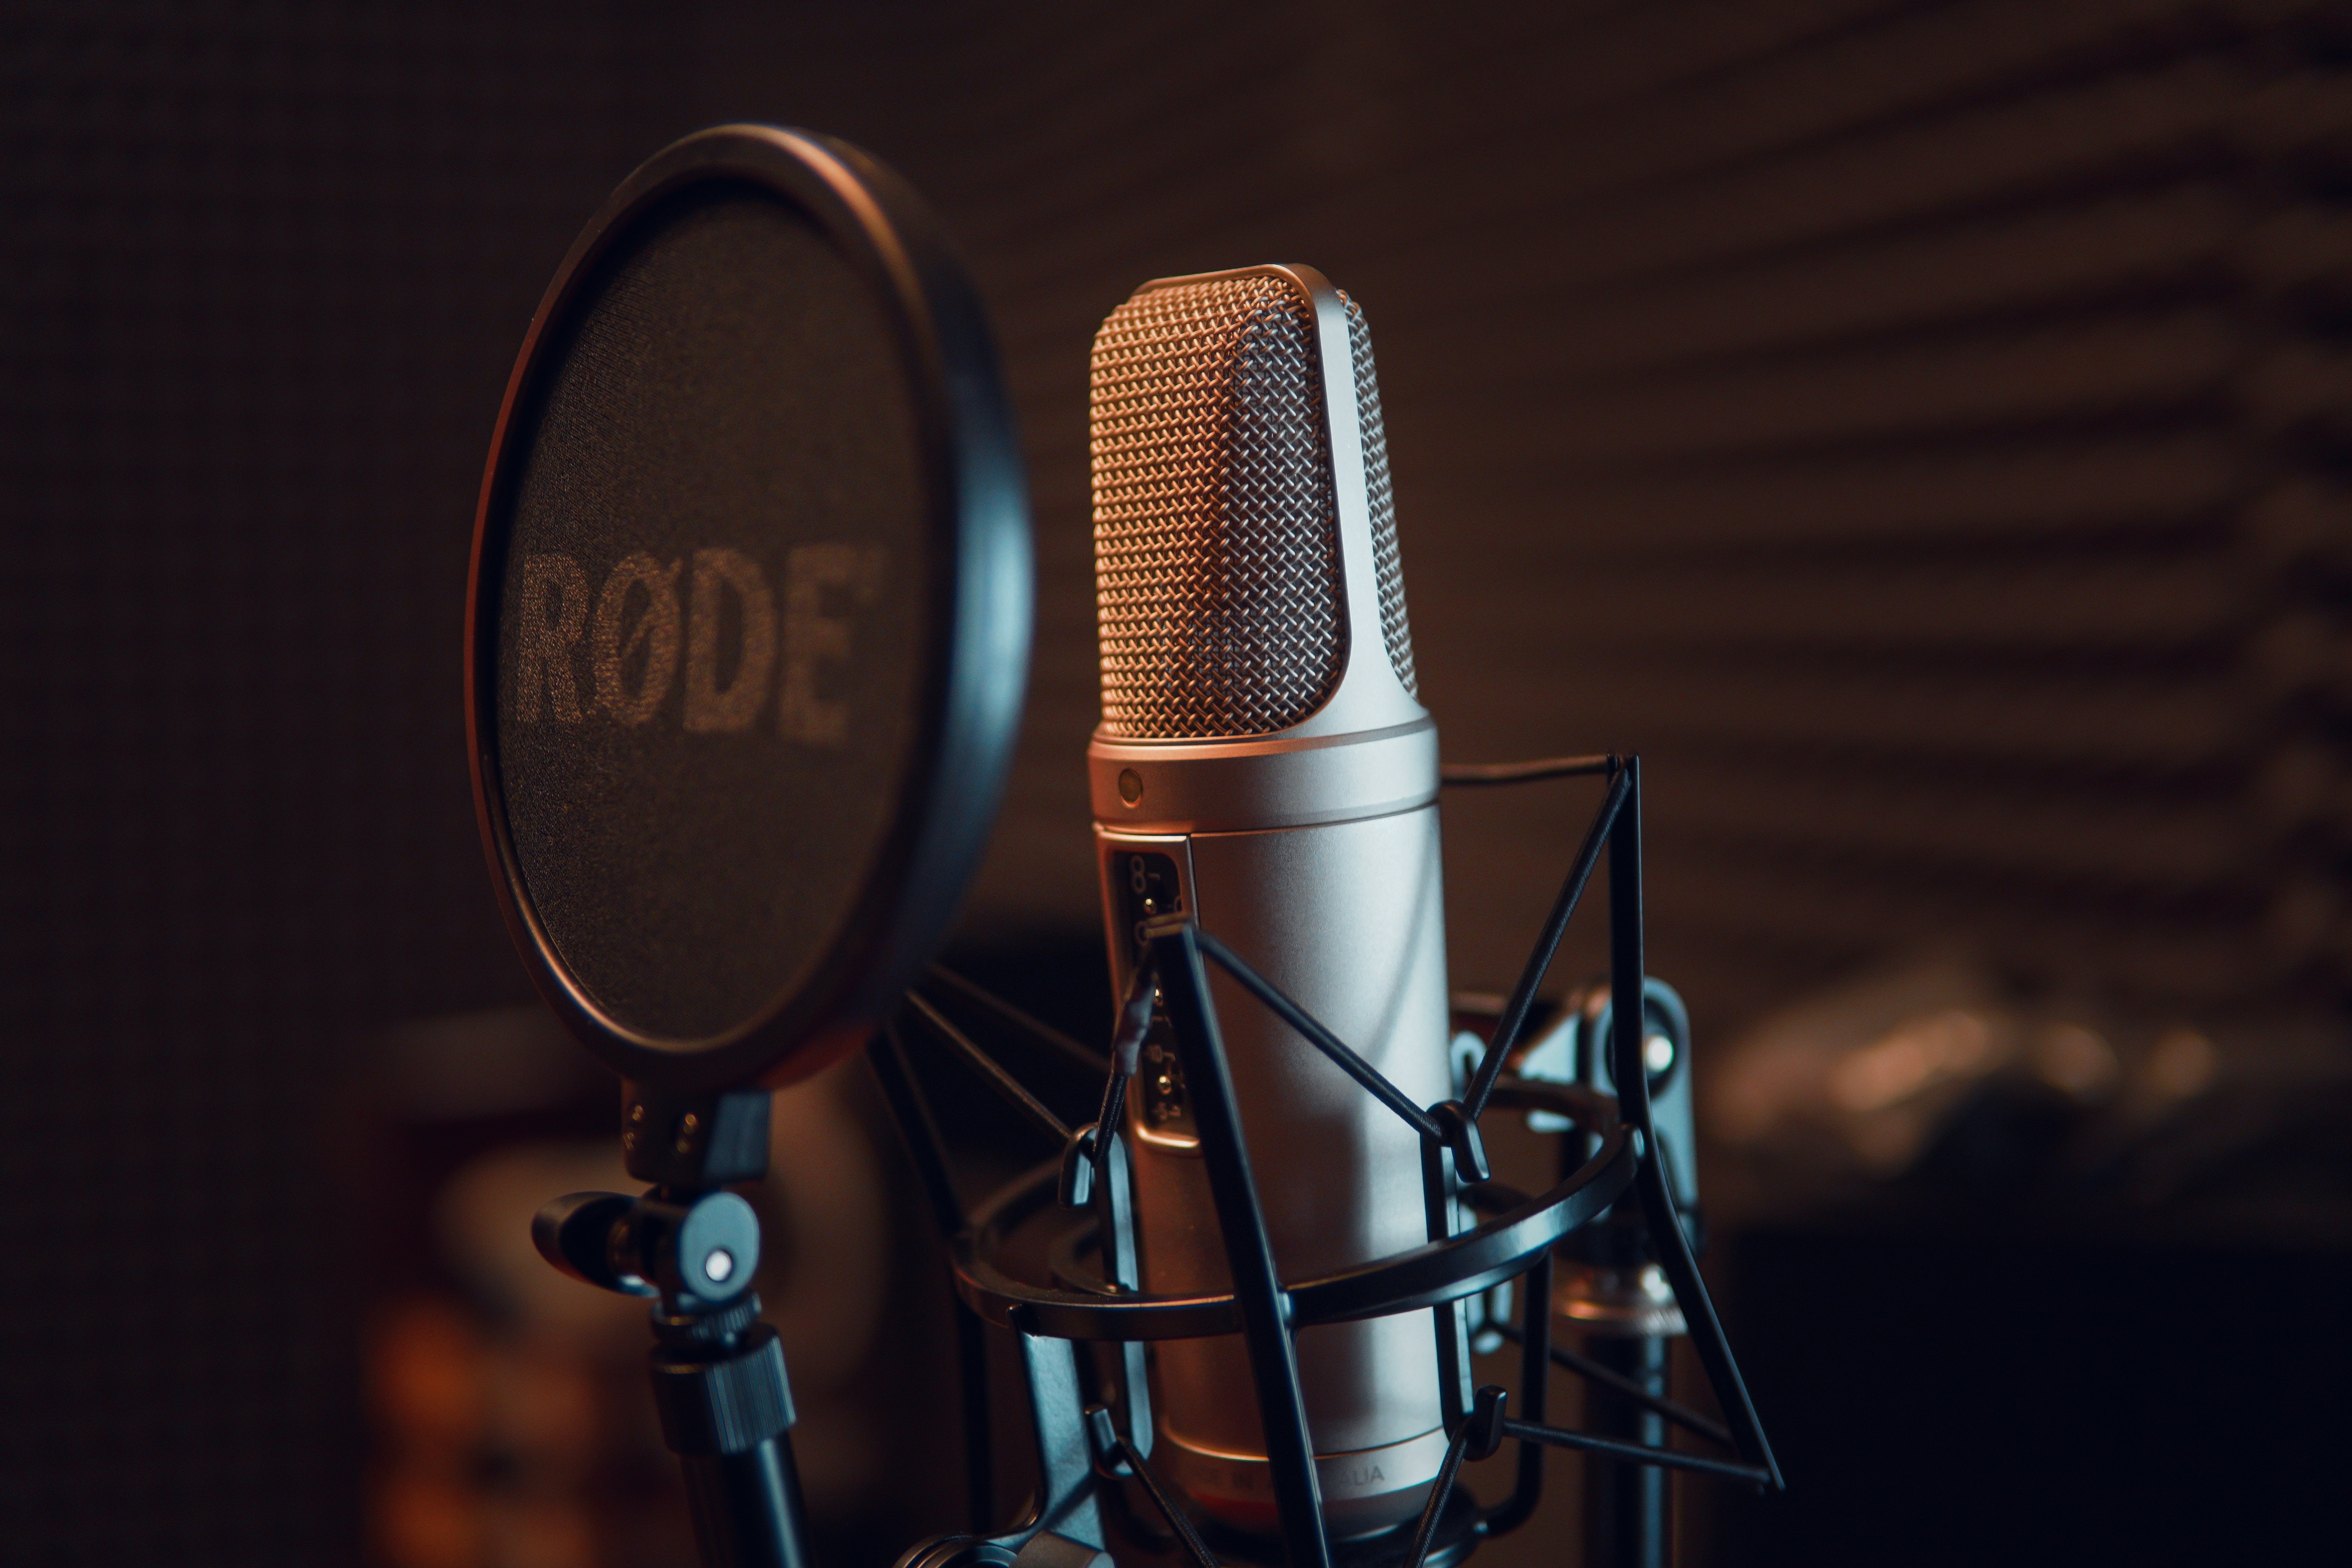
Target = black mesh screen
(711,662)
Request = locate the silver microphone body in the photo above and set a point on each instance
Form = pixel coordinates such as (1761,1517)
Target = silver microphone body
(1265,765)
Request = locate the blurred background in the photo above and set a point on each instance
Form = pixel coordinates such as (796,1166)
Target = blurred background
(1921,430)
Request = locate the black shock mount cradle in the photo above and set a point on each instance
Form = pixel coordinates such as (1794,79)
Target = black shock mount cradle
(719,1379)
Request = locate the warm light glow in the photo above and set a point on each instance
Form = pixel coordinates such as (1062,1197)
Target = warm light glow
(1917,1055)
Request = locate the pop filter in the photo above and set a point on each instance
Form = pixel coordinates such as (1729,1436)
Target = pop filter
(748,622)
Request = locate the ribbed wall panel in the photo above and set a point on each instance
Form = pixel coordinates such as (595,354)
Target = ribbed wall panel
(1869,412)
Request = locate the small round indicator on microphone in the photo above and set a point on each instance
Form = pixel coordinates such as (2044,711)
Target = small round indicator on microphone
(720,1266)
(1130,786)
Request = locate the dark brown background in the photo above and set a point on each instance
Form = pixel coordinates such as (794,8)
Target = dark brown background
(1919,429)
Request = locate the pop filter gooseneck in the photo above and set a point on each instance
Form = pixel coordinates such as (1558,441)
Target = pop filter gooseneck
(747,634)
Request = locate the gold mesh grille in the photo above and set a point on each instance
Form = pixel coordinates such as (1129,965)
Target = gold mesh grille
(1216,544)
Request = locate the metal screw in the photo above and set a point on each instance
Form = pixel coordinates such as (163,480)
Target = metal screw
(687,1126)
(1130,785)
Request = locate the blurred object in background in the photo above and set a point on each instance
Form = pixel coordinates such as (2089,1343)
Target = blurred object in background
(1934,1079)
(2086,1264)
(510,1421)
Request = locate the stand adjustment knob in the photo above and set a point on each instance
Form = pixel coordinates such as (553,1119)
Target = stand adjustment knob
(696,1254)
(576,1233)
(726,1403)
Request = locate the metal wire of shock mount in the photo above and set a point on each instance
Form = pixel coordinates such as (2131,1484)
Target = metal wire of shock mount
(1105,1302)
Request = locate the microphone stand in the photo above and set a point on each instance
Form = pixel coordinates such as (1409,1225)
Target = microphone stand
(1615,1295)
(1618,1297)
(718,1371)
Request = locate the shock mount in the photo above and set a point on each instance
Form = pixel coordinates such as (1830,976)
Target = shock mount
(719,1376)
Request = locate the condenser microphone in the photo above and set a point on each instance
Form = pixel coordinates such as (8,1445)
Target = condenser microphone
(1265,765)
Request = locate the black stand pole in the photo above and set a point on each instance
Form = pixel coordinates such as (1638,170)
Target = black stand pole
(1628,1509)
(718,1372)
(718,1380)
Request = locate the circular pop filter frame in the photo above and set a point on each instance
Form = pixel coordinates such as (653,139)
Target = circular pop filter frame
(974,662)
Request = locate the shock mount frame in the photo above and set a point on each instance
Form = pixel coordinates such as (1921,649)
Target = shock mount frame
(1087,1447)
(719,1376)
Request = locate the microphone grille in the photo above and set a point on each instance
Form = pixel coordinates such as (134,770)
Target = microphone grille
(1217,575)
(1395,631)
(1217,571)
